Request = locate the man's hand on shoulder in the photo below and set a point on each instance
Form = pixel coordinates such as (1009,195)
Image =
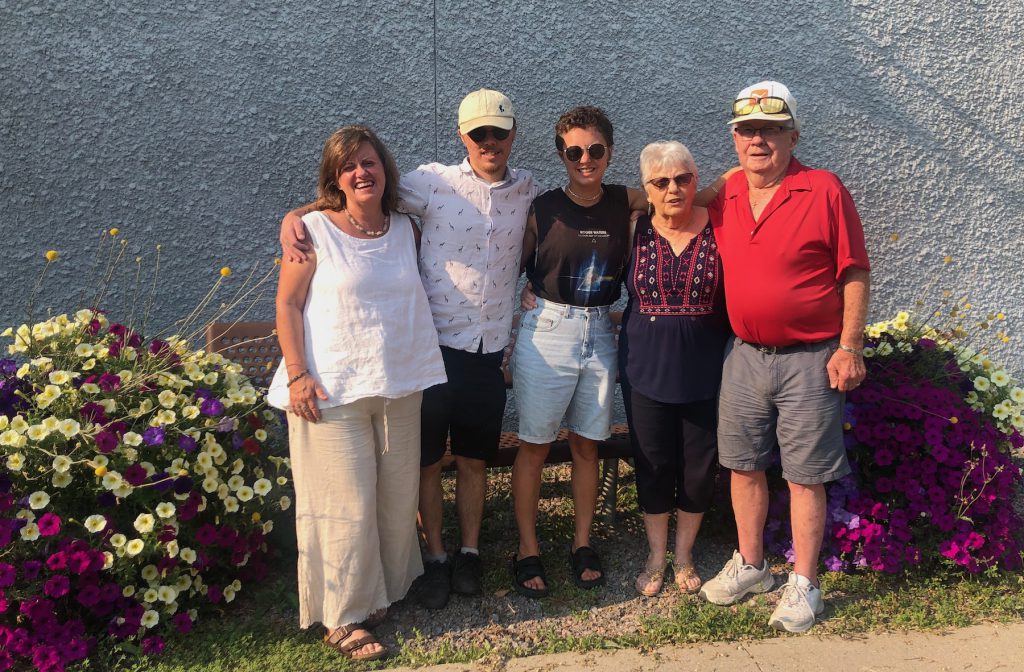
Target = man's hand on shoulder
(845,370)
(295,245)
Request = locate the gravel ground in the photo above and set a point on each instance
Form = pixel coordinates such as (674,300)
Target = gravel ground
(501,618)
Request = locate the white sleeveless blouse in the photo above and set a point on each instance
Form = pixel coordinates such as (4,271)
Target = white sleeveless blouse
(367,326)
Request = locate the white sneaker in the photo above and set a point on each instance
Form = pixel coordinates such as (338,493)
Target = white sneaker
(736,580)
(801,602)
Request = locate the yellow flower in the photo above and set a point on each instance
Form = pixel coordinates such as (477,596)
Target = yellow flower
(225,271)
(51,255)
(947,259)
(894,237)
(953,420)
(114,231)
(100,471)
(256,517)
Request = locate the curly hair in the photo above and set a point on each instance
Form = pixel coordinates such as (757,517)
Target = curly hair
(585,116)
(338,150)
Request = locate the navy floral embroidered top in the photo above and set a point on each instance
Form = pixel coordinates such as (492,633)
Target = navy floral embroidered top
(675,327)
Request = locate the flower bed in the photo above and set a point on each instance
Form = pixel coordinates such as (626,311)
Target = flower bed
(139,482)
(929,434)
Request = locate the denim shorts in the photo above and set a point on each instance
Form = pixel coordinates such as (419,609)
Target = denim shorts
(782,397)
(564,364)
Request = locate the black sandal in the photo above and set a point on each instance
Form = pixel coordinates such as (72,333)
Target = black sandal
(525,569)
(582,559)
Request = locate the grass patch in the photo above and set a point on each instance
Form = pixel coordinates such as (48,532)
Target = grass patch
(261,635)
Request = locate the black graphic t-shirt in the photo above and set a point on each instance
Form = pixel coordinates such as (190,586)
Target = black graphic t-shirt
(581,251)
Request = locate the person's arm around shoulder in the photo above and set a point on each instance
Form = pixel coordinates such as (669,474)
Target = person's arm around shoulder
(709,193)
(846,367)
(637,208)
(292,288)
(294,239)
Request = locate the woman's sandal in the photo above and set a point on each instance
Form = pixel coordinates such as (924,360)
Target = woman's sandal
(344,642)
(650,581)
(685,576)
(525,569)
(582,559)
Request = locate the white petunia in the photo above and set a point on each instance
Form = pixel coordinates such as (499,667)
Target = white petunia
(190,412)
(38,499)
(30,532)
(281,480)
(1000,378)
(60,480)
(95,523)
(209,484)
(235,482)
(131,439)
(69,428)
(150,596)
(286,502)
(237,466)
(144,523)
(183,583)
(167,594)
(260,434)
(244,493)
(108,559)
(100,460)
(61,463)
(123,490)
(165,509)
(134,547)
(187,554)
(230,504)
(112,480)
(19,424)
(150,618)
(149,573)
(37,433)
(262,486)
(229,594)
(982,384)
(172,548)
(60,377)
(118,540)
(167,398)
(268,527)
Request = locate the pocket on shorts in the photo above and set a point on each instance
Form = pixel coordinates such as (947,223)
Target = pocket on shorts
(540,320)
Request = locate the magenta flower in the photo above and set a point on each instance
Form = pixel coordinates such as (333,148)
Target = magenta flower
(49,524)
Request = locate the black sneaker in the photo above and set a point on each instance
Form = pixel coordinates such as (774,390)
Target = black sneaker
(466,574)
(435,584)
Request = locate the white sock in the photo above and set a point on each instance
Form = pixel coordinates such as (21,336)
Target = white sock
(467,549)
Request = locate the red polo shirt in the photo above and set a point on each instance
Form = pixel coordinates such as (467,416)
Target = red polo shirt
(782,272)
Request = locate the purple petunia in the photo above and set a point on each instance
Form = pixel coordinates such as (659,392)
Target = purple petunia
(212,407)
(153,436)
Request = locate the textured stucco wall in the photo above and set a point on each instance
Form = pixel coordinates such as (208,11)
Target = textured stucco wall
(196,125)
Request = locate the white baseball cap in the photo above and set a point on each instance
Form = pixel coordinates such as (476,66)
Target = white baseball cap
(754,99)
(485,107)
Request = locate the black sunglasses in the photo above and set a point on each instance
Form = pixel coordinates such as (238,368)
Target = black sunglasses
(661,183)
(479,134)
(575,152)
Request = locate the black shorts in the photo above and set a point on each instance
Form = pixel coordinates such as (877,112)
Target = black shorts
(470,407)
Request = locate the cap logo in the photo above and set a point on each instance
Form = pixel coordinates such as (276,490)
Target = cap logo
(759,93)
(501,108)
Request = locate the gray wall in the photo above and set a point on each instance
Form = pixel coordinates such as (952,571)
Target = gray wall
(196,125)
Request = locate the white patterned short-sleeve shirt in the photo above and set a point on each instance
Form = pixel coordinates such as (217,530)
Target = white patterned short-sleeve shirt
(470,250)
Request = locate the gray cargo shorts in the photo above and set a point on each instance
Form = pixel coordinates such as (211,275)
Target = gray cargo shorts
(783,395)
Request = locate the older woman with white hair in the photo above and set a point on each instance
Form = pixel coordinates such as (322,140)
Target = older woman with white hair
(673,337)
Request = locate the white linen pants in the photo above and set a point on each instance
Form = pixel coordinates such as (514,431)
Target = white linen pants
(356,476)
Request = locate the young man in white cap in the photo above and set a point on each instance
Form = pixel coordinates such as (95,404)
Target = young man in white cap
(796,283)
(473,216)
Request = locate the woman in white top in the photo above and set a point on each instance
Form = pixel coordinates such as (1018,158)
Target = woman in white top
(359,347)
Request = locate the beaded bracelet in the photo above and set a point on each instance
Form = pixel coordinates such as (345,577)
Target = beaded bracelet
(851,350)
(297,376)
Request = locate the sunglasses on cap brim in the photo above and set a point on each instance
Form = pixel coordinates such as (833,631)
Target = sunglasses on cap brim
(767,105)
(479,134)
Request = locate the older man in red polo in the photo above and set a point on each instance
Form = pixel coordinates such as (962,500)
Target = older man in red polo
(796,283)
